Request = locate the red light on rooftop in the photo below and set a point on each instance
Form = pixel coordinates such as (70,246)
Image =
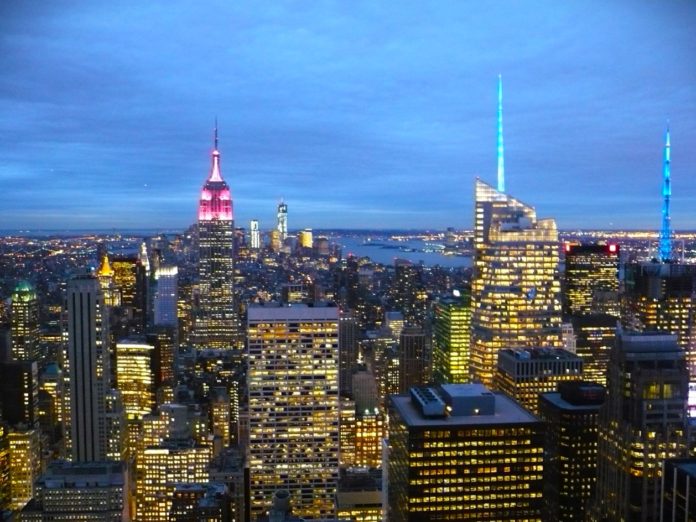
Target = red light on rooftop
(612,248)
(567,247)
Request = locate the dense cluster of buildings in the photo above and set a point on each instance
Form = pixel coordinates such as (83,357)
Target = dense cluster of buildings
(223,376)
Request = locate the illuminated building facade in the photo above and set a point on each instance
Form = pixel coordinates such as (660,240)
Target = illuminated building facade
(25,465)
(460,452)
(452,339)
(524,373)
(255,233)
(412,362)
(25,323)
(293,406)
(86,371)
(5,489)
(643,422)
(346,435)
(105,274)
(275,241)
(282,224)
(591,279)
(515,286)
(595,335)
(305,238)
(79,491)
(166,296)
(130,280)
(659,297)
(216,321)
(370,430)
(165,466)
(570,469)
(135,376)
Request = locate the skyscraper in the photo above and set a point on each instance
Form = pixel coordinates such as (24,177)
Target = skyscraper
(282,225)
(524,373)
(460,452)
(452,338)
(591,279)
(570,466)
(130,279)
(25,323)
(412,358)
(216,321)
(293,406)
(166,296)
(87,370)
(515,286)
(255,233)
(642,423)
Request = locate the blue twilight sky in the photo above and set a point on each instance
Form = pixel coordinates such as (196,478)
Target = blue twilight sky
(358,113)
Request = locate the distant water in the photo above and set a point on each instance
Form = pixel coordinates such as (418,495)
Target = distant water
(386,256)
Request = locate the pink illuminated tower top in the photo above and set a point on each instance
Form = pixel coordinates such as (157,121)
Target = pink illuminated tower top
(216,201)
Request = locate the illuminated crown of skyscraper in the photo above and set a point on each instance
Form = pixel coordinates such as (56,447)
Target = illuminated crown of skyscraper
(216,200)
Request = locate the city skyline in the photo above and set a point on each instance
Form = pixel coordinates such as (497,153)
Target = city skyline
(396,108)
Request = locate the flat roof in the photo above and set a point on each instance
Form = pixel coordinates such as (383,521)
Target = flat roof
(293,311)
(507,411)
(346,499)
(558,401)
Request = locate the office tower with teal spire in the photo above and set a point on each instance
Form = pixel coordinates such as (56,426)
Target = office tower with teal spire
(665,248)
(501,149)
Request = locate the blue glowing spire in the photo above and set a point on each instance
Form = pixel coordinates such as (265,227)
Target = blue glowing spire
(665,247)
(501,150)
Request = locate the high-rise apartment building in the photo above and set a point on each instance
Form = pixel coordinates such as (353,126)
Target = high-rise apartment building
(166,296)
(412,358)
(86,370)
(255,233)
(348,332)
(25,323)
(452,338)
(570,466)
(216,324)
(595,335)
(591,279)
(643,422)
(460,452)
(25,465)
(293,406)
(524,373)
(515,286)
(282,223)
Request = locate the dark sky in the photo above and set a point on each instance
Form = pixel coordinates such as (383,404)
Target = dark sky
(358,114)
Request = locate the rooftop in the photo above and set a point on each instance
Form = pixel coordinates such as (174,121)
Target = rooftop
(505,410)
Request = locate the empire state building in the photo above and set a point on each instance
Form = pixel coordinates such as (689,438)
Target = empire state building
(216,320)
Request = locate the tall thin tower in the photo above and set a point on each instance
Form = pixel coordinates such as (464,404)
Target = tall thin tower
(282,220)
(665,248)
(501,149)
(87,370)
(216,322)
